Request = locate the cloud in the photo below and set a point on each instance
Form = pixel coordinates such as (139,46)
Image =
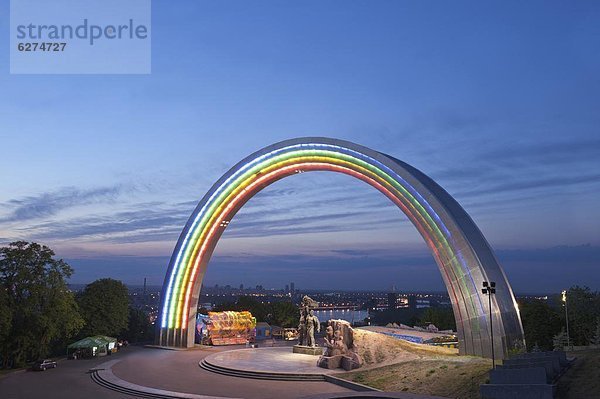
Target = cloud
(543,270)
(50,203)
(556,153)
(564,254)
(301,205)
(272,211)
(531,184)
(166,224)
(533,171)
(150,222)
(540,270)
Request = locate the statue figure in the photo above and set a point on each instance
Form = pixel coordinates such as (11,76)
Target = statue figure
(306,324)
(335,343)
(308,302)
(329,334)
(312,324)
(302,329)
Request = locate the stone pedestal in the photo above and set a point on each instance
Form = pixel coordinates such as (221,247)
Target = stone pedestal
(347,362)
(308,350)
(330,362)
(341,351)
(351,362)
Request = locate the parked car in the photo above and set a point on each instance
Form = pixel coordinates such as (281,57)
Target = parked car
(42,365)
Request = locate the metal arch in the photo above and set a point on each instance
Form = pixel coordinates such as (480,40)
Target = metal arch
(471,250)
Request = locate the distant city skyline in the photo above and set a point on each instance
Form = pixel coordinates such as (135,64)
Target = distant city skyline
(500,109)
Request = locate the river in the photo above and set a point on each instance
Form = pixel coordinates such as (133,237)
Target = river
(348,315)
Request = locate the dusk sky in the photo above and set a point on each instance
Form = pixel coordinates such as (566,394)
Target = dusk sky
(498,102)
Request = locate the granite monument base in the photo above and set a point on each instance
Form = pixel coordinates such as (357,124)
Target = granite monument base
(308,350)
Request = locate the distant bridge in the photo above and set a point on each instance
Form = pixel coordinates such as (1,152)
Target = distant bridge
(337,307)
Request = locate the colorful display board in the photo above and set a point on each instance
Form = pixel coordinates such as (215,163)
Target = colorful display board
(231,328)
(464,257)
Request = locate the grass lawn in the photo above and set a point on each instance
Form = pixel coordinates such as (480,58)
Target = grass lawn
(448,377)
(582,380)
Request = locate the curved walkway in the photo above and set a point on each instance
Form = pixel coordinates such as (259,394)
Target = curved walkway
(277,363)
(178,372)
(104,376)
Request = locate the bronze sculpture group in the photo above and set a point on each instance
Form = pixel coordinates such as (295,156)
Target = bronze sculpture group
(340,350)
(308,324)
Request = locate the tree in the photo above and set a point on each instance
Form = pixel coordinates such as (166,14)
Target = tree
(285,314)
(596,338)
(258,309)
(584,309)
(5,315)
(442,318)
(559,341)
(139,328)
(541,323)
(104,305)
(36,306)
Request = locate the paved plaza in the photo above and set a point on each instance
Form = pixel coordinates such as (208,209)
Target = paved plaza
(71,379)
(176,371)
(280,360)
(179,371)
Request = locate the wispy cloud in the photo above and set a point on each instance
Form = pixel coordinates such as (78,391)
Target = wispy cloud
(548,154)
(531,184)
(555,268)
(561,254)
(147,222)
(517,169)
(298,205)
(162,223)
(50,203)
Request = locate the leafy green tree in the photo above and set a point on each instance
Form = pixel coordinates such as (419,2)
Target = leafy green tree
(285,314)
(442,318)
(541,323)
(104,305)
(596,338)
(139,328)
(584,309)
(36,307)
(258,309)
(5,315)
(559,341)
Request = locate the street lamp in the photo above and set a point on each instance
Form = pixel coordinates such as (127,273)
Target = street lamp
(489,289)
(564,299)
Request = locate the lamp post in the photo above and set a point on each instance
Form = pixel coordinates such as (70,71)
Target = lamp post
(489,289)
(564,299)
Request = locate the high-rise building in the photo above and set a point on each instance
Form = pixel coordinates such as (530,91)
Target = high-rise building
(292,287)
(412,301)
(392,300)
(287,289)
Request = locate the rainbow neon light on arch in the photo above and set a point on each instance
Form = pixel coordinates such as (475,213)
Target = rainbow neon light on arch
(246,179)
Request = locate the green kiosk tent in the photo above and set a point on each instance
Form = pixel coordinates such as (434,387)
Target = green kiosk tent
(98,345)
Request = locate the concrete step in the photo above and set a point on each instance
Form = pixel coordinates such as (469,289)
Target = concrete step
(259,374)
(97,378)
